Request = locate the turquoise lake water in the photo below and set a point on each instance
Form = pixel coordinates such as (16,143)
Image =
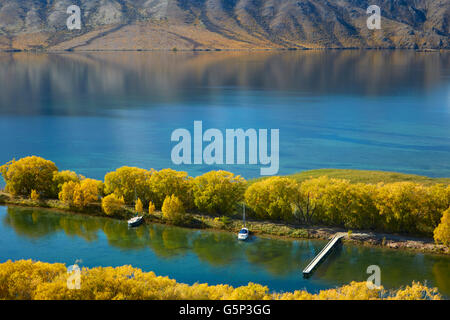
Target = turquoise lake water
(191,256)
(94,112)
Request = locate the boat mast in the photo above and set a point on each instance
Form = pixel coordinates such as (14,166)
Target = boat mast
(243,206)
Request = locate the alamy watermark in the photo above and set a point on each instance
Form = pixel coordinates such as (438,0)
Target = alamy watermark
(219,151)
(374,21)
(74,21)
(74,279)
(374,281)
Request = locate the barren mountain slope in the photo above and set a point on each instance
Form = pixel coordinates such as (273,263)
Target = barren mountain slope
(222,24)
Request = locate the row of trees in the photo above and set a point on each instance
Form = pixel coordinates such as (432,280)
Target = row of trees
(394,207)
(27,280)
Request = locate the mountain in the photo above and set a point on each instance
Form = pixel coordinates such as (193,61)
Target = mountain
(223,24)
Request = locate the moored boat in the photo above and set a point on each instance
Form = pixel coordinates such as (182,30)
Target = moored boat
(135,221)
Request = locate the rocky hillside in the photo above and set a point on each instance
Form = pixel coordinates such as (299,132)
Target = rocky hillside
(222,24)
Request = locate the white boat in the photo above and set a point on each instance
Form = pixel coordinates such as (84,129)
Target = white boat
(135,221)
(243,234)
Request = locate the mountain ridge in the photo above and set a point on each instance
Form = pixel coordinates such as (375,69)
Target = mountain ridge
(223,24)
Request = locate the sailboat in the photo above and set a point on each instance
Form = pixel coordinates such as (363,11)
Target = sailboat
(137,220)
(243,233)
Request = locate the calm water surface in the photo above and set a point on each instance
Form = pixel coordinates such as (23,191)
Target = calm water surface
(191,256)
(94,112)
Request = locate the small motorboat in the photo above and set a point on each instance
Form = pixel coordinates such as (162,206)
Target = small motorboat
(243,234)
(135,221)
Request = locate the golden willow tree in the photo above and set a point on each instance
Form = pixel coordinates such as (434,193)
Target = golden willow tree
(27,280)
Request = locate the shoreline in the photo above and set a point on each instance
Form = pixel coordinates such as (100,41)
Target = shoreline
(261,228)
(424,50)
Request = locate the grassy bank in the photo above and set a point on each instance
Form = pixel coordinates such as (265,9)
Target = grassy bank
(364,176)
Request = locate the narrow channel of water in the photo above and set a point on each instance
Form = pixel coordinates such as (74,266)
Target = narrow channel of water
(191,256)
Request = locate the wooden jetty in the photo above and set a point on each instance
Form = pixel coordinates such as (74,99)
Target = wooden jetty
(323,253)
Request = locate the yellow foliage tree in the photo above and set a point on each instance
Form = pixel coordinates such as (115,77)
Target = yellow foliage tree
(129,183)
(173,209)
(29,173)
(151,207)
(34,195)
(167,182)
(218,192)
(139,207)
(26,280)
(273,198)
(61,177)
(87,191)
(67,192)
(442,231)
(112,204)
(80,194)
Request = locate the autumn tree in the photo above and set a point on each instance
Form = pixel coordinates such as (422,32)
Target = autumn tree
(402,206)
(151,207)
(139,207)
(169,182)
(272,198)
(80,194)
(67,191)
(218,192)
(173,209)
(29,173)
(61,177)
(112,204)
(130,183)
(34,195)
(442,231)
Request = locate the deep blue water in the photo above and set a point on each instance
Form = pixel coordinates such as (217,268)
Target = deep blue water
(95,112)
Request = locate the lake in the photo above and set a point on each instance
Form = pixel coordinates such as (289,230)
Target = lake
(191,256)
(93,112)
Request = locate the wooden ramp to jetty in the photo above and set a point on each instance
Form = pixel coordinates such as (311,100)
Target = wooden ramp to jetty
(323,253)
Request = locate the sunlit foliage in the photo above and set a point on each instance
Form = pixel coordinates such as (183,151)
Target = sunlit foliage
(405,207)
(396,207)
(173,209)
(80,194)
(442,231)
(112,204)
(218,192)
(61,177)
(139,207)
(168,182)
(273,198)
(29,173)
(151,207)
(25,280)
(130,183)
(34,195)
